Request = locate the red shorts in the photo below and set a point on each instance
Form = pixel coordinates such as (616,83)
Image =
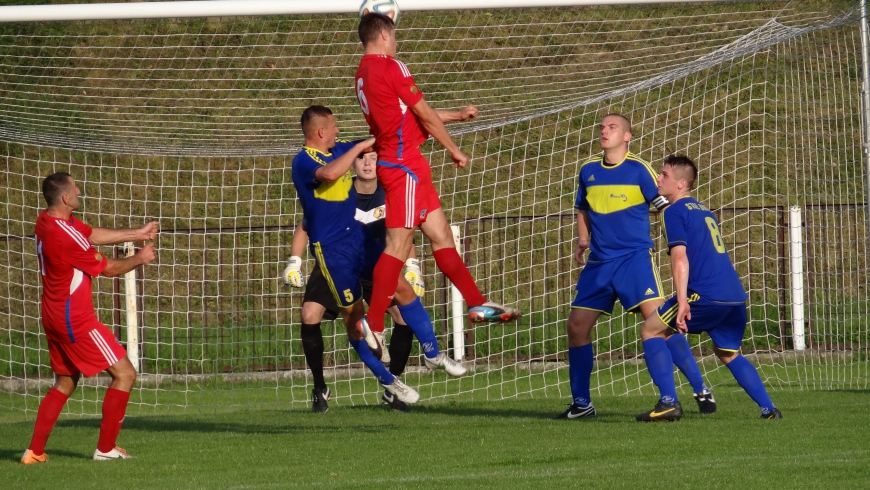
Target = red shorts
(90,354)
(410,195)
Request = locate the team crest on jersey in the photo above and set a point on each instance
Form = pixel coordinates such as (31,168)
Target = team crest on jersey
(414,89)
(379,213)
(98,257)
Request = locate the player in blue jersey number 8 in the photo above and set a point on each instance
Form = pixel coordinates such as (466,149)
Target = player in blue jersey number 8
(709,296)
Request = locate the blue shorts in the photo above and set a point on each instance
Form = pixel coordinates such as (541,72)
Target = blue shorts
(634,279)
(724,322)
(345,261)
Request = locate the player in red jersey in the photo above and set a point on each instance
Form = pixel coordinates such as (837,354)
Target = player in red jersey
(400,120)
(77,342)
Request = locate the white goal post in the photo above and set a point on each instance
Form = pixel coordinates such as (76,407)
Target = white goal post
(233,8)
(188,113)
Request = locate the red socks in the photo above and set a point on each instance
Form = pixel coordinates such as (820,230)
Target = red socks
(46,417)
(385,280)
(448,260)
(114,408)
(385,277)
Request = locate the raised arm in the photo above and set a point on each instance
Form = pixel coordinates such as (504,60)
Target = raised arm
(338,167)
(433,125)
(467,113)
(117,267)
(111,236)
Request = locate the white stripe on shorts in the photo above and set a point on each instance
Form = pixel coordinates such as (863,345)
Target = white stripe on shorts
(103,346)
(410,198)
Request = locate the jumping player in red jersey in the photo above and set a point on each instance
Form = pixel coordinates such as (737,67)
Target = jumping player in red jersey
(77,342)
(400,120)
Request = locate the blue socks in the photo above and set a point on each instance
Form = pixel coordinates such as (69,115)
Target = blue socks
(748,379)
(580,361)
(685,361)
(373,363)
(418,319)
(661,368)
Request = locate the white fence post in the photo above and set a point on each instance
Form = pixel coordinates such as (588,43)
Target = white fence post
(456,302)
(132,316)
(796,253)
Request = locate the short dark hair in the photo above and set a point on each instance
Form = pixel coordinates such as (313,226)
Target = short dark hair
(311,113)
(54,186)
(371,25)
(685,166)
(624,119)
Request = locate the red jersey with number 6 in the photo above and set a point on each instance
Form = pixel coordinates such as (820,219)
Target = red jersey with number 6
(67,262)
(386,91)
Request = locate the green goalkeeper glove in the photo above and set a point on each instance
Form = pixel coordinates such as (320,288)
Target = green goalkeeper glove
(293,273)
(414,276)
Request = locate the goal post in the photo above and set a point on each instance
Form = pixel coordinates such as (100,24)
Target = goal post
(193,121)
(131,313)
(234,8)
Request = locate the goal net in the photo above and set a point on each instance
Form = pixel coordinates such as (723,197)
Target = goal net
(194,123)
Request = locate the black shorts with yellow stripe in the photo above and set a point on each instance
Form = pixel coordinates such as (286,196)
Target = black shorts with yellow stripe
(317,291)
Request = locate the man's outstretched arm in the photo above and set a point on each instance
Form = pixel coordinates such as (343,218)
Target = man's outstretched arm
(112,236)
(467,113)
(432,123)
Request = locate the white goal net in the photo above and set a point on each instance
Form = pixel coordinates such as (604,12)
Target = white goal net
(194,123)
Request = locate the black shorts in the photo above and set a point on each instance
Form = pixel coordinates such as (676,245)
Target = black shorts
(317,291)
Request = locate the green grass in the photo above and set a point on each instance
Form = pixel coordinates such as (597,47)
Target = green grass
(821,443)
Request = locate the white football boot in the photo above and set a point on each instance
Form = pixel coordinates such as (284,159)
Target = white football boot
(443,361)
(402,391)
(116,453)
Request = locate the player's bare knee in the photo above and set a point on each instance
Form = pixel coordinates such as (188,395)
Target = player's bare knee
(123,375)
(312,312)
(440,238)
(580,328)
(653,327)
(66,384)
(404,292)
(396,315)
(726,356)
(399,243)
(437,230)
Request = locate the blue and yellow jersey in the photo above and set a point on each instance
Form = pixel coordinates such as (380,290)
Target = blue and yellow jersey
(328,207)
(617,198)
(711,274)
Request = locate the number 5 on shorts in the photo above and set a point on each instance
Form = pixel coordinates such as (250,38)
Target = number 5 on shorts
(348,296)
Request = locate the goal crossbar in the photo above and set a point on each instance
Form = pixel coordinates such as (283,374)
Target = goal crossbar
(238,8)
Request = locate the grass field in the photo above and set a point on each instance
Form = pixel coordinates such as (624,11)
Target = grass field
(775,128)
(820,443)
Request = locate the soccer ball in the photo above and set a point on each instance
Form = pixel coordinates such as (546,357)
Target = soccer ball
(387,7)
